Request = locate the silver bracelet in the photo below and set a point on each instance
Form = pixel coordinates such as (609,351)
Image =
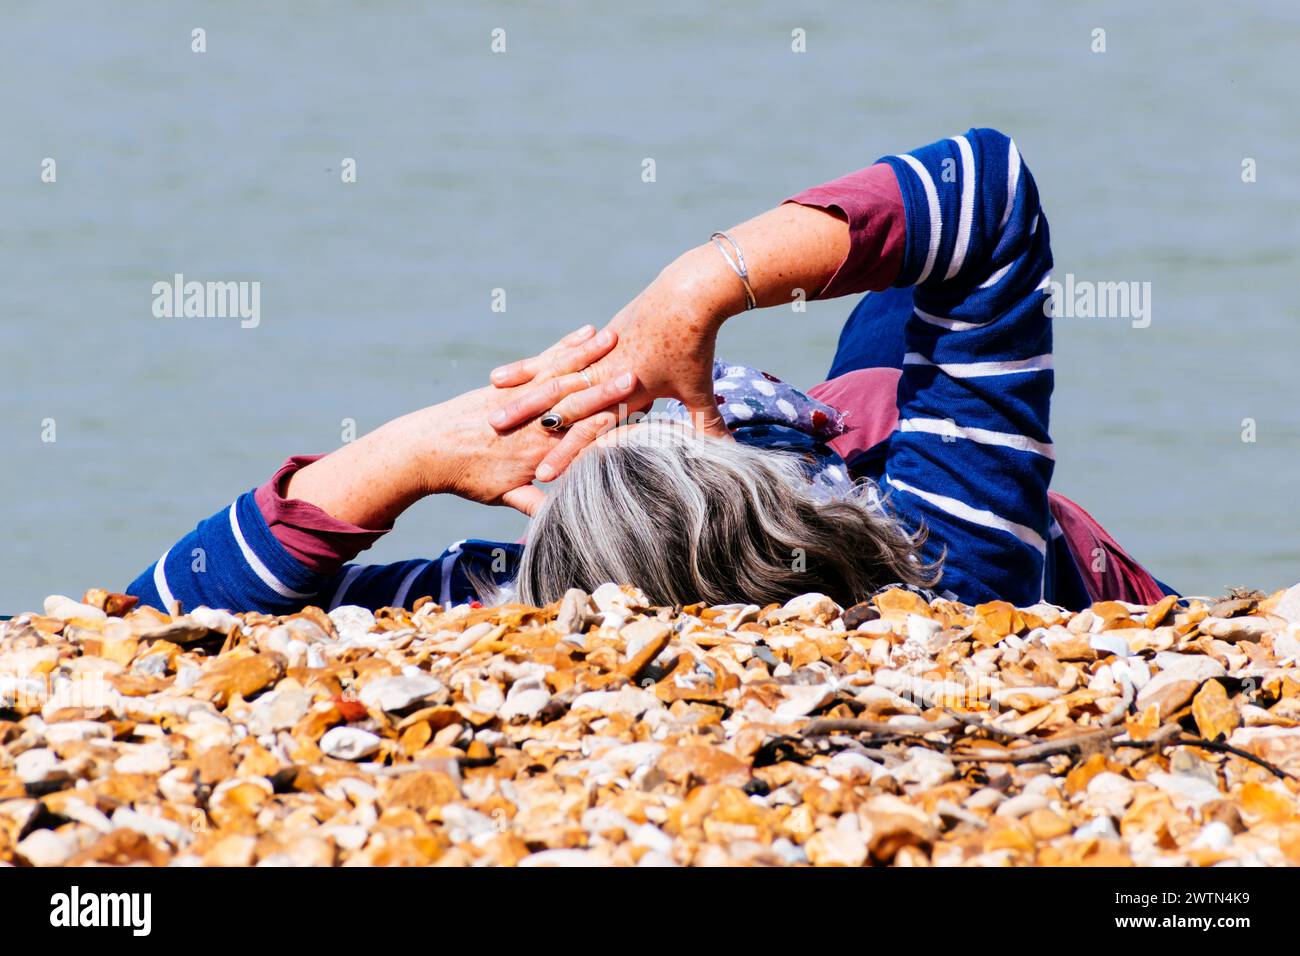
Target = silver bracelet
(737,265)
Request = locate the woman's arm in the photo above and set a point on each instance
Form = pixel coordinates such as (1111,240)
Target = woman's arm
(835,239)
(234,560)
(372,480)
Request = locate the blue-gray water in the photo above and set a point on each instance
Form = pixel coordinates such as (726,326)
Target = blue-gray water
(522,171)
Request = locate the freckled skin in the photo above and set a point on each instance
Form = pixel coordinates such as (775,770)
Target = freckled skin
(668,332)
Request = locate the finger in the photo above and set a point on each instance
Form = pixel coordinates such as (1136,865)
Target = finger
(539,397)
(575,440)
(516,373)
(578,335)
(578,357)
(525,370)
(585,403)
(526,498)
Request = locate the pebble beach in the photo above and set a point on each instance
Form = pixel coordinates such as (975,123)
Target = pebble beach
(600,731)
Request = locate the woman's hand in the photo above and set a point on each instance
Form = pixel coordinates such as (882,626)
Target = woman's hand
(666,336)
(667,333)
(452,447)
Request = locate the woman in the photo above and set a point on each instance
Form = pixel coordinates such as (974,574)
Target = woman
(695,515)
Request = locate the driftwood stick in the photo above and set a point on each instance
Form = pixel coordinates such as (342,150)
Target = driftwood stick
(1170,735)
(1213,746)
(822,728)
(1047,748)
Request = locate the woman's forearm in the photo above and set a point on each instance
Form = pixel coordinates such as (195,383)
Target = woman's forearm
(370,481)
(821,244)
(790,251)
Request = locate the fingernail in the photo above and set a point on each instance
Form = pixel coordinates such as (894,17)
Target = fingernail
(585,330)
(605,337)
(624,380)
(497,374)
(498,417)
(545,472)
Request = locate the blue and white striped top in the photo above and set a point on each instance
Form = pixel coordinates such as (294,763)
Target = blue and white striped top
(233,561)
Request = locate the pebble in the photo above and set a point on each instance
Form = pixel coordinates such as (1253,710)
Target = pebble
(986,798)
(1110,792)
(351,621)
(69,730)
(1287,645)
(925,767)
(859,614)
(643,633)
(1234,629)
(1098,828)
(616,604)
(630,701)
(1174,668)
(1215,835)
(235,849)
(837,847)
(147,759)
(560,858)
(800,701)
(526,699)
(400,692)
(46,848)
(1185,788)
(1109,643)
(1288,607)
(82,812)
(575,611)
(278,710)
(36,765)
(151,826)
(349,743)
(814,608)
(66,609)
(1016,807)
(852,766)
(922,630)
(214,619)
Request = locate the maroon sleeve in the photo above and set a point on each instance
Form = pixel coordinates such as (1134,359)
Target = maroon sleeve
(868,400)
(320,542)
(1119,577)
(870,201)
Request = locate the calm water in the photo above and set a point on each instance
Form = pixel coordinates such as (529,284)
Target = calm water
(522,171)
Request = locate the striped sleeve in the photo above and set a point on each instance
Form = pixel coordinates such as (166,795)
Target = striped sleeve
(454,577)
(972,457)
(233,561)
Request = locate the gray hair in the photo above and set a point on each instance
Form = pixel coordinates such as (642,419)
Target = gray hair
(688,518)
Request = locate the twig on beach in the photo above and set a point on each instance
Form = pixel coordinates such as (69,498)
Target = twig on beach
(1167,736)
(853,725)
(1213,746)
(1047,748)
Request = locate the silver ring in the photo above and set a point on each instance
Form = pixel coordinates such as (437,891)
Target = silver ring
(586,378)
(552,421)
